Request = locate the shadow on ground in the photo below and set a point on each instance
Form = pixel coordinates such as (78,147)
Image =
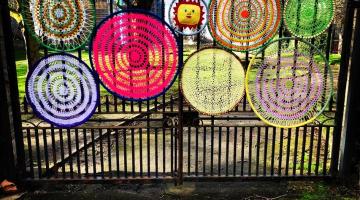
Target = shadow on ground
(192,190)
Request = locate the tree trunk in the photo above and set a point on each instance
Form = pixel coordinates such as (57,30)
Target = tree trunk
(142,4)
(32,49)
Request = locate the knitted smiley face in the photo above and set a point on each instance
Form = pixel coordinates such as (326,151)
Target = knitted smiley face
(188,14)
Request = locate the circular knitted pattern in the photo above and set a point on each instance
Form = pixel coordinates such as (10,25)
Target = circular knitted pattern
(244,25)
(62,90)
(308,18)
(64,25)
(212,81)
(292,89)
(135,55)
(188,17)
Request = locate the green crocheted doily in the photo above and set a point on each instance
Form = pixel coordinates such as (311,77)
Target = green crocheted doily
(308,18)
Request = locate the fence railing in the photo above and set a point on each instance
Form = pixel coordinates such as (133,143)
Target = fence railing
(165,139)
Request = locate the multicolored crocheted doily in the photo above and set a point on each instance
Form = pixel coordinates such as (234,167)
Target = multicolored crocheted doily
(188,17)
(135,54)
(289,83)
(308,18)
(244,25)
(62,90)
(212,81)
(63,25)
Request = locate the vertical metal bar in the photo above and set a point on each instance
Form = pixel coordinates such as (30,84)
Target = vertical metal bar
(281,151)
(242,150)
(219,152)
(250,150)
(8,73)
(265,150)
(140,106)
(125,152)
(31,161)
(117,154)
(132,131)
(172,151)
(46,155)
(258,151)
(235,149)
(342,82)
(212,148)
(115,104)
(164,150)
(326,151)
(101,153)
(327,56)
(26,107)
(227,151)
(303,151)
(196,150)
(123,105)
(38,157)
(273,151)
(108,131)
(78,154)
(93,152)
(311,150)
(176,154)
(180,125)
(318,151)
(156,154)
(62,152)
(85,153)
(204,151)
(107,104)
(70,152)
(189,149)
(350,140)
(295,150)
(131,106)
(53,143)
(140,152)
(155,104)
(288,152)
(148,137)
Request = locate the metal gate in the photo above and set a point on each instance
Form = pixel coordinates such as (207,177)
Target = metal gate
(166,140)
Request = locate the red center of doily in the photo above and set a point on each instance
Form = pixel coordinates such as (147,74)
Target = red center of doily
(245,14)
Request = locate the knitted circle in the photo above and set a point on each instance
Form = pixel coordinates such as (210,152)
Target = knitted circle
(135,55)
(292,89)
(244,25)
(212,81)
(64,25)
(308,18)
(188,17)
(62,90)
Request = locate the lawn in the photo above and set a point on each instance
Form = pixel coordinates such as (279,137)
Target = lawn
(22,67)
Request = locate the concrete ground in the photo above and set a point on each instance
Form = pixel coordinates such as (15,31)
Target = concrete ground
(192,190)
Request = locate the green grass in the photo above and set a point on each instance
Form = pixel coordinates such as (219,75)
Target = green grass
(22,67)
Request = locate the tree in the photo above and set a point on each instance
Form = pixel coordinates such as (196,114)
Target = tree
(32,46)
(339,19)
(143,4)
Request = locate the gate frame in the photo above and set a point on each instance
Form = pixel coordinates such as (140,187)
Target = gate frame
(344,147)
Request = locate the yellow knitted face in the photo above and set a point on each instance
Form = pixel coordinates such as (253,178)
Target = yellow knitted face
(189,14)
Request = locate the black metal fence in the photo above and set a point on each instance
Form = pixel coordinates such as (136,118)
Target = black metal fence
(165,139)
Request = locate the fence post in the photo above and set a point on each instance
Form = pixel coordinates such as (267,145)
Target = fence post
(351,129)
(181,120)
(343,74)
(10,122)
